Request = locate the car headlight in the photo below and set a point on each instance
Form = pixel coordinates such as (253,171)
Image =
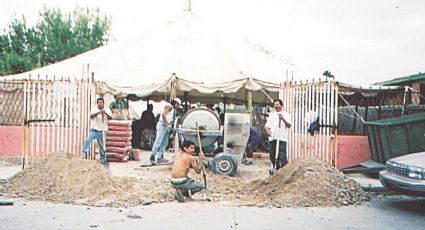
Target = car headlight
(416,173)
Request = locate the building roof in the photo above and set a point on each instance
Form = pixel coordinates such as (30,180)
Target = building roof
(396,81)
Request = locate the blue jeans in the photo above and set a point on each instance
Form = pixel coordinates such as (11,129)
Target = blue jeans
(161,140)
(94,134)
(190,184)
(282,160)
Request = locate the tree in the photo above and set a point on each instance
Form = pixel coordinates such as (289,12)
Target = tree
(55,37)
(328,73)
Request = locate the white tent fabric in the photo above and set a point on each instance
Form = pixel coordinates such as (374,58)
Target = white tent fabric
(234,91)
(182,50)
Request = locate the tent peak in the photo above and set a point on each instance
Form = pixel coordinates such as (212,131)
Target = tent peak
(189,6)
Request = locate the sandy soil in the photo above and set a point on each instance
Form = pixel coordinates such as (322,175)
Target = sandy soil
(64,178)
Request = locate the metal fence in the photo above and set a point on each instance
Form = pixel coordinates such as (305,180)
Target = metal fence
(303,100)
(54,114)
(12,110)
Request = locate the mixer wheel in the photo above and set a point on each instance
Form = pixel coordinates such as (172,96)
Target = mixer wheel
(224,164)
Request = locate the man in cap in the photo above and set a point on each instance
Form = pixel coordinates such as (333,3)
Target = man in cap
(163,128)
(119,107)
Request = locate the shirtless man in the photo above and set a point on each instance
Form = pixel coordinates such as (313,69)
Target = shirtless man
(183,161)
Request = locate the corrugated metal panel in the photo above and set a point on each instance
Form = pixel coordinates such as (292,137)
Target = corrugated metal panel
(410,78)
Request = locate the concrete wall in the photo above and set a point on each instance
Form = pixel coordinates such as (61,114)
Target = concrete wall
(352,150)
(41,141)
(11,149)
(11,138)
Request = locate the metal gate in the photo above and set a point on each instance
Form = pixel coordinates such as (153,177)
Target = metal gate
(54,114)
(304,100)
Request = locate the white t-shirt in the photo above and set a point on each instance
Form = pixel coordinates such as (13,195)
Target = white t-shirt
(169,116)
(96,122)
(273,124)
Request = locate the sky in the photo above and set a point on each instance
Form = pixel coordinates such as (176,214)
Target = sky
(360,41)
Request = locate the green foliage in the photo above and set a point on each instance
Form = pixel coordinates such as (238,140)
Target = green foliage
(328,73)
(55,37)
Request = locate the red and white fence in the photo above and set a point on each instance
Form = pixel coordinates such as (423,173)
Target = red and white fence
(302,99)
(56,115)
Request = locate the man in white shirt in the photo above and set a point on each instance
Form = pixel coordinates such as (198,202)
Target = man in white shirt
(98,123)
(163,128)
(277,127)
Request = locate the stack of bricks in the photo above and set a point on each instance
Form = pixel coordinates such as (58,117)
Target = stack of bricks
(118,140)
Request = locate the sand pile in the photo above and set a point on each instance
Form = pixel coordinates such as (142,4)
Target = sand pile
(64,178)
(303,183)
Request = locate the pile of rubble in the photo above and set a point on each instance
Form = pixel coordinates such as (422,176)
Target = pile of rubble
(65,178)
(305,182)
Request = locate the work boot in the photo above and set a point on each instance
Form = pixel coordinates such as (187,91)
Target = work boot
(162,161)
(247,161)
(152,160)
(187,193)
(179,196)
(102,160)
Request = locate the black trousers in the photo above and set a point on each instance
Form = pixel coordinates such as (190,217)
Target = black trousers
(282,160)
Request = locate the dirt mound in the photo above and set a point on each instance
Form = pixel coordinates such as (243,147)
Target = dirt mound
(65,178)
(304,182)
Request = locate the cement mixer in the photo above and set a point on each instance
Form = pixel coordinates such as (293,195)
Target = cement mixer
(222,158)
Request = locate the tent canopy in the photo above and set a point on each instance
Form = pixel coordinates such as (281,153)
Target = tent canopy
(372,95)
(234,91)
(183,54)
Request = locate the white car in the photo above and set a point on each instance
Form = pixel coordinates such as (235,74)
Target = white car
(405,174)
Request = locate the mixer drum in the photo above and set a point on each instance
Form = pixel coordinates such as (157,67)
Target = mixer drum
(207,120)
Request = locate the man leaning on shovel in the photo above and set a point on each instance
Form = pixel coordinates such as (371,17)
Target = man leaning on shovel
(277,127)
(183,161)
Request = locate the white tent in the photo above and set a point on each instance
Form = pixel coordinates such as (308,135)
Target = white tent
(180,56)
(235,91)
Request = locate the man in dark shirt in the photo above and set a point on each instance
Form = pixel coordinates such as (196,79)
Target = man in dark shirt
(254,140)
(148,127)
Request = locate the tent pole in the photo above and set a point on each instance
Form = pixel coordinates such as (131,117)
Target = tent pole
(249,97)
(380,105)
(224,109)
(225,104)
(355,120)
(185,101)
(365,118)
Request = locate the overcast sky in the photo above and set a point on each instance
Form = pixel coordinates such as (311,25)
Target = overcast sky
(359,41)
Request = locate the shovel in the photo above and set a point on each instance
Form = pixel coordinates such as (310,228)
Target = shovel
(207,195)
(104,120)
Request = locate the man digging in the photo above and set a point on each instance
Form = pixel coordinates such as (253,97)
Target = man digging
(183,161)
